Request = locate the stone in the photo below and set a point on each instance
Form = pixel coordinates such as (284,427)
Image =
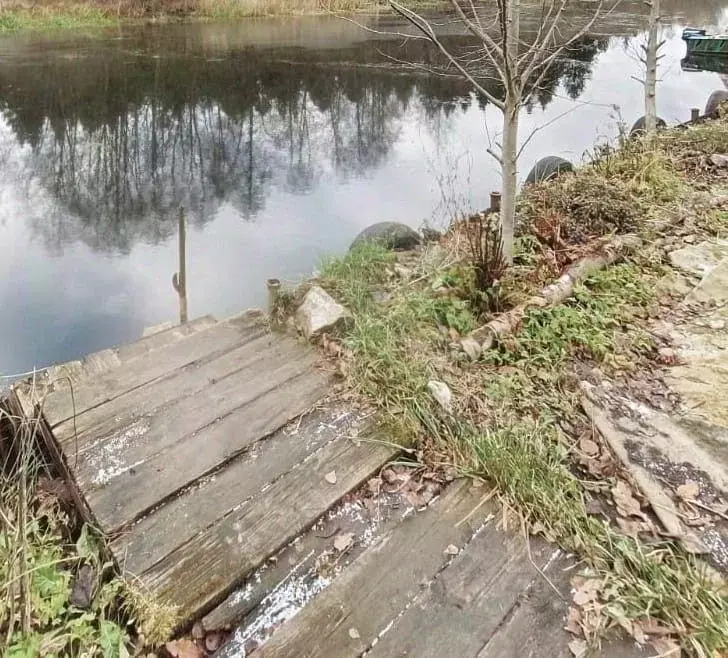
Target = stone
(471,347)
(442,393)
(392,235)
(320,312)
(700,259)
(713,287)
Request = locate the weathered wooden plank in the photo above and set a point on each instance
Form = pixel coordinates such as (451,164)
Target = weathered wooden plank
(75,372)
(95,430)
(291,390)
(163,338)
(181,518)
(469,600)
(200,573)
(61,404)
(369,594)
(536,626)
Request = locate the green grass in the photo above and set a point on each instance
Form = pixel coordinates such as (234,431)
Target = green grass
(64,18)
(41,553)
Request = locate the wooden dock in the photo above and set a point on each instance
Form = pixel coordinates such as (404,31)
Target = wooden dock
(231,486)
(177,450)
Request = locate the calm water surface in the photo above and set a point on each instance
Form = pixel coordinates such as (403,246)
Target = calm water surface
(282,138)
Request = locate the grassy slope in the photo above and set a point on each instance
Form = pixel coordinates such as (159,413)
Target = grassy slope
(516,411)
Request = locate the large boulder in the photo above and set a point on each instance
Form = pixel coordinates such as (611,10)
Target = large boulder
(391,235)
(638,127)
(320,312)
(714,100)
(548,167)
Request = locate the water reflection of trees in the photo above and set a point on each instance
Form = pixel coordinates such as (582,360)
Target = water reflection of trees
(121,140)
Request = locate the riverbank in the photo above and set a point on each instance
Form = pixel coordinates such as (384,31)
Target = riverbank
(504,377)
(17,16)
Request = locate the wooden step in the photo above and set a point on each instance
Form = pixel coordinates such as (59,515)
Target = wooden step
(192,436)
(241,482)
(199,574)
(368,596)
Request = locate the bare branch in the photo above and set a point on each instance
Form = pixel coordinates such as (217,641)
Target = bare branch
(421,24)
(541,127)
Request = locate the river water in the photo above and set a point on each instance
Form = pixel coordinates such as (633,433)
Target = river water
(282,139)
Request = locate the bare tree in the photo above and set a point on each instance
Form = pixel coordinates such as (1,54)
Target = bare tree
(518,62)
(650,59)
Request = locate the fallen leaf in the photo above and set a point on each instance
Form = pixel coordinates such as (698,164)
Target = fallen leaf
(330,477)
(184,648)
(452,550)
(588,592)
(354,634)
(594,506)
(688,491)
(654,627)
(578,648)
(666,647)
(343,541)
(588,447)
(374,485)
(573,620)
(389,476)
(633,528)
(627,504)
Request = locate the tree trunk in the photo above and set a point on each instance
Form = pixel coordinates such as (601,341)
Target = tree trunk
(509,175)
(651,66)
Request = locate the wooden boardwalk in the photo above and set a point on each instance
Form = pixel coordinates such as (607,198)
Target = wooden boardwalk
(177,450)
(229,486)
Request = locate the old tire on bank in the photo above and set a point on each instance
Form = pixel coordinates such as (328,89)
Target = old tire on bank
(391,235)
(638,127)
(714,101)
(548,167)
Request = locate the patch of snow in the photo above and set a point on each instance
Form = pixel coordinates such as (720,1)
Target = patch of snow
(280,605)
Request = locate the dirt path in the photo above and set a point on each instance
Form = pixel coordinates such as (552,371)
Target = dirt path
(674,437)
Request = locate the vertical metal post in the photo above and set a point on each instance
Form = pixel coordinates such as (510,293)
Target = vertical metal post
(180,279)
(694,113)
(495,202)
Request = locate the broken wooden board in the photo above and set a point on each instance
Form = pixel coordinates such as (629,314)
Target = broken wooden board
(348,616)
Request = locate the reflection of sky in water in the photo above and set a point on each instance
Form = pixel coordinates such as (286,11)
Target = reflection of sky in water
(59,303)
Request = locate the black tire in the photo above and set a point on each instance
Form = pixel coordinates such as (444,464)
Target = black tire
(638,128)
(714,101)
(548,167)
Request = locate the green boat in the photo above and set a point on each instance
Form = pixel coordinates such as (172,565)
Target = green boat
(699,43)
